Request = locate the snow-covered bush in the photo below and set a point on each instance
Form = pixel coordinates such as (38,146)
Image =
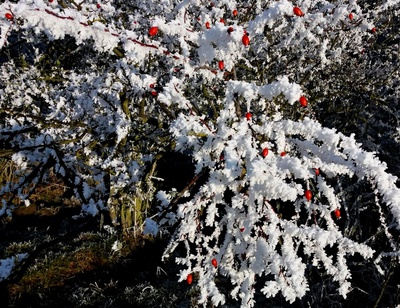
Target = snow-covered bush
(97,92)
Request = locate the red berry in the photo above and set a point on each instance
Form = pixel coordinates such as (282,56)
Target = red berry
(235,13)
(303,101)
(222,20)
(9,16)
(189,279)
(246,40)
(230,30)
(51,1)
(316,170)
(153,31)
(308,194)
(214,263)
(154,93)
(351,16)
(265,152)
(98,5)
(336,213)
(248,116)
(241,229)
(221,65)
(151,85)
(297,11)
(208,25)
(373,30)
(283,153)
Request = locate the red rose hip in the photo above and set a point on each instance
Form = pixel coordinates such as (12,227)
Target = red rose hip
(189,279)
(246,40)
(303,101)
(297,11)
(308,194)
(153,31)
(214,263)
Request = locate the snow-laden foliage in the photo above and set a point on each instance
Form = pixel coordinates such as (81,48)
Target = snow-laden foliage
(253,215)
(97,92)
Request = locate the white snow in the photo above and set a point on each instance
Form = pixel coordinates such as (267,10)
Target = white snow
(7,265)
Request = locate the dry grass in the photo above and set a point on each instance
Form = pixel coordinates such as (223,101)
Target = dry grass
(50,191)
(54,272)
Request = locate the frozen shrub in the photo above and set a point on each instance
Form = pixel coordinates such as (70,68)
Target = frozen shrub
(97,92)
